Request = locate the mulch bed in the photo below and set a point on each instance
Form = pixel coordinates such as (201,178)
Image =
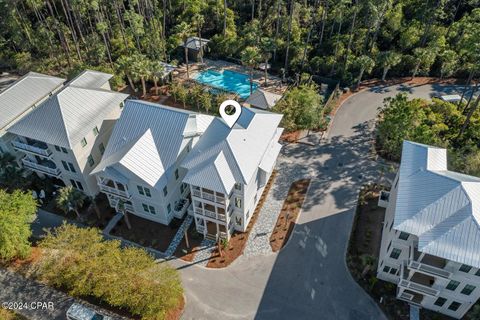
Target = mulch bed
(289,213)
(147,233)
(194,240)
(238,240)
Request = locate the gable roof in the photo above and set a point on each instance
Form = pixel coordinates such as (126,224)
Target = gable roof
(68,116)
(147,140)
(263,99)
(24,94)
(223,152)
(90,79)
(195,43)
(439,206)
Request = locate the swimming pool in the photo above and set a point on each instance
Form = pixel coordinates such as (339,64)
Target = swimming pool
(231,81)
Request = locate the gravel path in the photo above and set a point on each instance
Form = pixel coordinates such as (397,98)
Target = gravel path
(205,251)
(178,236)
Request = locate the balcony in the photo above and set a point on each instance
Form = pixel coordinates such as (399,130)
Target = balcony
(428,269)
(209,196)
(114,191)
(418,282)
(128,206)
(410,297)
(37,148)
(418,287)
(210,214)
(45,167)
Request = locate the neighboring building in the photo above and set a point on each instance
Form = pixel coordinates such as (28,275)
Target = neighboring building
(431,235)
(228,170)
(19,99)
(196,48)
(263,99)
(141,165)
(65,136)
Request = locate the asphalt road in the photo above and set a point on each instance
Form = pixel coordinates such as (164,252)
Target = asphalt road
(308,279)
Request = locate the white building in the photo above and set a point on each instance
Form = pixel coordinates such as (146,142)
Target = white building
(431,235)
(65,136)
(228,169)
(141,164)
(19,99)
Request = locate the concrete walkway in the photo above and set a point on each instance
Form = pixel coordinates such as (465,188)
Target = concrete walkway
(308,279)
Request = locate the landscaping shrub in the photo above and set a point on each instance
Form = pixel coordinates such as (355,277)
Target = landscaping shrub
(80,261)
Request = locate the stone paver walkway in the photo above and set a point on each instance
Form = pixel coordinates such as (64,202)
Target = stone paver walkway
(178,236)
(204,252)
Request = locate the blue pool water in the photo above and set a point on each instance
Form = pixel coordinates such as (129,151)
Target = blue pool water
(227,80)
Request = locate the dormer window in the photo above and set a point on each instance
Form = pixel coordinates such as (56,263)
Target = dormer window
(83,142)
(95,131)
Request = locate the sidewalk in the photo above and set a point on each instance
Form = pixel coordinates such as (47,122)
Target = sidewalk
(35,298)
(47,220)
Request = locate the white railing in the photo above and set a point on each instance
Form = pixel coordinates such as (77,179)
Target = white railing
(223,235)
(32,149)
(210,214)
(39,167)
(114,191)
(208,196)
(428,269)
(418,287)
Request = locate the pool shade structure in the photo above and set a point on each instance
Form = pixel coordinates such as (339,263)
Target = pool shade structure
(227,80)
(262,99)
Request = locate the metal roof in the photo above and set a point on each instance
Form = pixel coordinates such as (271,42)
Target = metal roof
(147,140)
(263,99)
(68,116)
(439,206)
(91,79)
(243,147)
(24,94)
(195,43)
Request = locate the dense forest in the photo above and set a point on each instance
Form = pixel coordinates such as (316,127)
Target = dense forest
(341,39)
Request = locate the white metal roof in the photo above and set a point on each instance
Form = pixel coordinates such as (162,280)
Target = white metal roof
(91,79)
(451,97)
(24,94)
(263,99)
(439,206)
(243,147)
(68,116)
(147,140)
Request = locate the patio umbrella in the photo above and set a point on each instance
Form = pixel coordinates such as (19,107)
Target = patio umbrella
(261,66)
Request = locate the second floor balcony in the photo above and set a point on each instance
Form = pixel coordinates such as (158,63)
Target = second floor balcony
(210,213)
(45,167)
(33,147)
(209,195)
(114,188)
(417,282)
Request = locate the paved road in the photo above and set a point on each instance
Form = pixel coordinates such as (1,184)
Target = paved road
(308,279)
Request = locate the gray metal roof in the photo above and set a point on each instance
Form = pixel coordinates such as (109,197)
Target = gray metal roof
(195,43)
(68,116)
(147,140)
(243,147)
(91,79)
(439,206)
(263,99)
(25,93)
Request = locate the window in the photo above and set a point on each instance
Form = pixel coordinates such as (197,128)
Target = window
(452,285)
(95,131)
(454,306)
(144,191)
(122,105)
(165,191)
(386,269)
(65,165)
(440,302)
(176,174)
(395,253)
(145,207)
(152,210)
(169,208)
(238,186)
(468,289)
(64,150)
(76,184)
(393,271)
(389,245)
(90,160)
(57,148)
(477,273)
(101,147)
(83,142)
(403,236)
(72,168)
(391,227)
(238,202)
(465,268)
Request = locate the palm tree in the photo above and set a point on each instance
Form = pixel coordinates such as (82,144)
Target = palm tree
(387,60)
(121,208)
(266,45)
(124,64)
(141,70)
(249,58)
(366,64)
(70,199)
(184,31)
(11,175)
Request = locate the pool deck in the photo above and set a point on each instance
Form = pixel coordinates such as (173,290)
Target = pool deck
(275,84)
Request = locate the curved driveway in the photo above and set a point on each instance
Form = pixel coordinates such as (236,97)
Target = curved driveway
(308,279)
